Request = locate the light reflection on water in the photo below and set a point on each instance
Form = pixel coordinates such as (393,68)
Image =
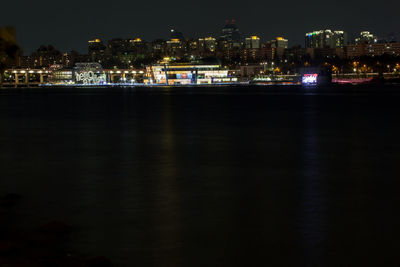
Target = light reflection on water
(312,200)
(209,179)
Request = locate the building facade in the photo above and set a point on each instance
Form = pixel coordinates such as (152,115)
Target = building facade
(253,42)
(366,37)
(372,50)
(188,74)
(325,39)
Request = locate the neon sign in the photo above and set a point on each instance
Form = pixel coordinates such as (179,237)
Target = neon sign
(89,73)
(89,77)
(309,79)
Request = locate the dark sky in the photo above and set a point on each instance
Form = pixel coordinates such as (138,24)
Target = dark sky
(68,25)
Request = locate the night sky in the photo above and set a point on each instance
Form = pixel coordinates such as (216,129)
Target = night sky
(68,25)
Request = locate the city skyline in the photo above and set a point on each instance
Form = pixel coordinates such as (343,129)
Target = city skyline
(68,28)
(83,44)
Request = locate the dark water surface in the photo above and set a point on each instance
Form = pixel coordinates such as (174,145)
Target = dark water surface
(224,176)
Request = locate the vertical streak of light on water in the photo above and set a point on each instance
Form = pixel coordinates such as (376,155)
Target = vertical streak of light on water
(167,204)
(311,214)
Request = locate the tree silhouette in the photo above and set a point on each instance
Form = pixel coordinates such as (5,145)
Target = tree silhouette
(9,52)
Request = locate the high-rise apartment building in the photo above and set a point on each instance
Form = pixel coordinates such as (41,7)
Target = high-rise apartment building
(325,39)
(280,42)
(230,32)
(366,37)
(253,42)
(208,44)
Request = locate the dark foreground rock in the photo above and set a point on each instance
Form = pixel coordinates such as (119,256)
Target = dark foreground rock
(42,247)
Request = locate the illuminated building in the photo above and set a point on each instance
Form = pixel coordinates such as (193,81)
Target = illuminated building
(175,48)
(158,47)
(372,50)
(230,32)
(280,44)
(59,75)
(188,74)
(138,47)
(325,39)
(231,36)
(124,53)
(251,70)
(176,35)
(193,44)
(355,50)
(392,49)
(251,54)
(294,54)
(96,49)
(253,42)
(267,51)
(366,37)
(207,44)
(45,56)
(136,41)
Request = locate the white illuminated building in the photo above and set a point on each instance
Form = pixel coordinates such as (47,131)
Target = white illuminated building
(189,74)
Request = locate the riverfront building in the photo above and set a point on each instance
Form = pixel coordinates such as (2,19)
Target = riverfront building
(188,74)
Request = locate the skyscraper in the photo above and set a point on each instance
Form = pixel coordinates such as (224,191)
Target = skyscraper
(253,42)
(366,37)
(96,49)
(207,43)
(176,35)
(326,39)
(230,32)
(280,42)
